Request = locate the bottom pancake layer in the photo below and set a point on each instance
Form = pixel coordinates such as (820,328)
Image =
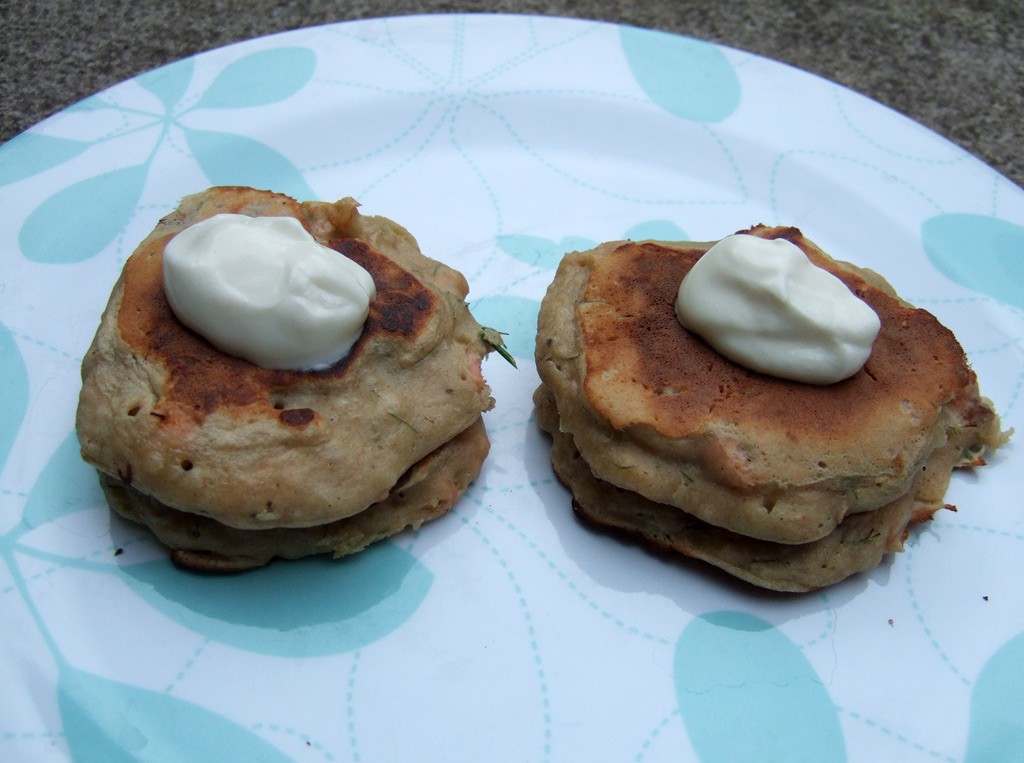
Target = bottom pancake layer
(858,543)
(426,491)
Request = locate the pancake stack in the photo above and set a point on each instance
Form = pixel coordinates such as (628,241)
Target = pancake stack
(231,464)
(786,485)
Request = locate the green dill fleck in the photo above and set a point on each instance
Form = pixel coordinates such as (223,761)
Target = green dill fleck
(398,418)
(493,338)
(687,479)
(973,453)
(871,535)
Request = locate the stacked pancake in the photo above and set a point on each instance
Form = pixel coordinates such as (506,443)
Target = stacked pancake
(789,486)
(231,464)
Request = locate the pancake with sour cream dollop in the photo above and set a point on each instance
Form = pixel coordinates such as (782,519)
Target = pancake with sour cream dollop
(654,409)
(181,429)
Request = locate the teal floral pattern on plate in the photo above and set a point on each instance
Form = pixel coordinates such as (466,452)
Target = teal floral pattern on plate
(736,672)
(94,210)
(505,631)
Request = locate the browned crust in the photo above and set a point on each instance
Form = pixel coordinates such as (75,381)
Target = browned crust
(632,337)
(202,379)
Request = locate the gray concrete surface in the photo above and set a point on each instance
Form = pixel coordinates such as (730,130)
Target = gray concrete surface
(956,67)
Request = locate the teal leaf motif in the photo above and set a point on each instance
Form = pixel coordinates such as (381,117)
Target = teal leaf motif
(29,154)
(541,252)
(90,213)
(576,244)
(229,159)
(66,485)
(983,253)
(997,707)
(260,78)
(307,607)
(746,692)
(13,392)
(516,317)
(689,78)
(108,721)
(168,83)
(656,230)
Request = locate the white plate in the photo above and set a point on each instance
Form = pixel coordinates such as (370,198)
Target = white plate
(505,631)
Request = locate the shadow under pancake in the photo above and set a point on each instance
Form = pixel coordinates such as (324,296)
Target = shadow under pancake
(623,564)
(304,607)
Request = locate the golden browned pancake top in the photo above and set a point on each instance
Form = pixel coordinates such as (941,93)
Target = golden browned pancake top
(644,368)
(202,378)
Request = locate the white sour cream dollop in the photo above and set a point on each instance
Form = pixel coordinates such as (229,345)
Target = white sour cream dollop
(263,289)
(764,305)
